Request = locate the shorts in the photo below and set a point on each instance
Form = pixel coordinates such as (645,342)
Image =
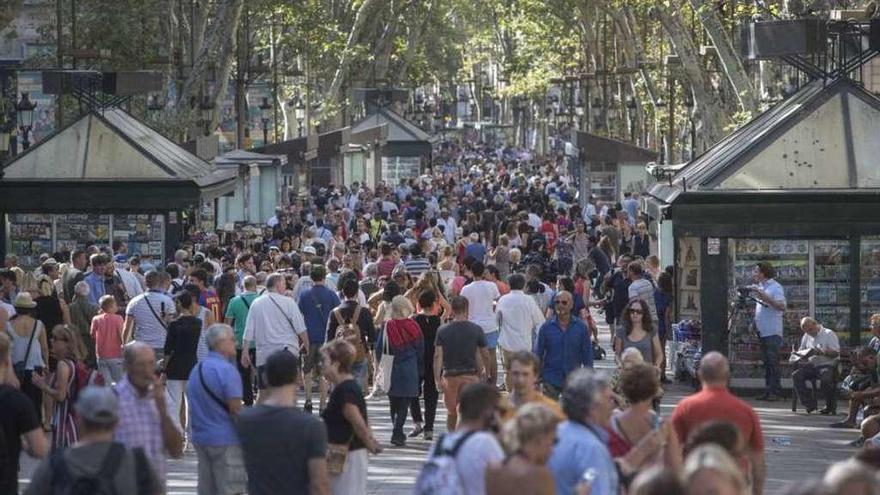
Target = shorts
(221,470)
(454,384)
(312,361)
(492,339)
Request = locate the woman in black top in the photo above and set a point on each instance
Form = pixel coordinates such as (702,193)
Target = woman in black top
(346,421)
(180,351)
(429,321)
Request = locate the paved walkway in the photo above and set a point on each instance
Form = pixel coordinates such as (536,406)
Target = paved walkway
(805,447)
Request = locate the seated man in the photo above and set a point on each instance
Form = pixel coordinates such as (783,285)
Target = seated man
(861,382)
(816,358)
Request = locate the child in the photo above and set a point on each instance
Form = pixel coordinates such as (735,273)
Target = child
(106,331)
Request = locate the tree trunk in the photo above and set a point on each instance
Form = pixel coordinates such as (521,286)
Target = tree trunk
(331,96)
(731,62)
(708,107)
(413,41)
(225,57)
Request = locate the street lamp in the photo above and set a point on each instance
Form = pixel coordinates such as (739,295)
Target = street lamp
(597,113)
(264,107)
(25,108)
(206,108)
(689,105)
(153,104)
(631,106)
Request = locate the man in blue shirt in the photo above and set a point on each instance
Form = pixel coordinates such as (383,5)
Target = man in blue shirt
(768,322)
(316,304)
(214,397)
(581,452)
(563,345)
(95,278)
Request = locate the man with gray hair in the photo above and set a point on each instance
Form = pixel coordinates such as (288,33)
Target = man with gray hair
(582,450)
(274,322)
(816,359)
(81,313)
(213,395)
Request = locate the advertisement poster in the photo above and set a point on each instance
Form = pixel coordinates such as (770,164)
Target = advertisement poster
(31,82)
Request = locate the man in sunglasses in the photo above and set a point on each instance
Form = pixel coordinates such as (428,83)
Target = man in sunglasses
(563,345)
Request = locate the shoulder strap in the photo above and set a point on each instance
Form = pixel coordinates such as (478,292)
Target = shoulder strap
(460,443)
(292,326)
(60,475)
(337,313)
(27,353)
(211,394)
(245,301)
(111,462)
(152,310)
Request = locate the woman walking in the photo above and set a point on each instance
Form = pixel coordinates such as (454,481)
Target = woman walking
(402,339)
(61,387)
(637,331)
(349,436)
(181,342)
(29,349)
(428,321)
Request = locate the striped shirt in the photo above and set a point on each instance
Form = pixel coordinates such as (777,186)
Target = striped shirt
(416,266)
(147,327)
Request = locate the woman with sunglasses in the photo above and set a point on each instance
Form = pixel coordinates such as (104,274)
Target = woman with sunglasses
(638,331)
(68,349)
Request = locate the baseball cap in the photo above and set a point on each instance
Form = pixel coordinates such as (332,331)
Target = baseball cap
(309,250)
(98,405)
(120,258)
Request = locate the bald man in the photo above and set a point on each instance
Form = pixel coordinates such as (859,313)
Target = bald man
(715,402)
(816,359)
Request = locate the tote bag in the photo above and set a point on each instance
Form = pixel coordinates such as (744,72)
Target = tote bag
(386,363)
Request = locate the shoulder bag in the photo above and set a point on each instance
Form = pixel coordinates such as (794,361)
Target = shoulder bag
(386,362)
(152,310)
(292,326)
(20,368)
(210,392)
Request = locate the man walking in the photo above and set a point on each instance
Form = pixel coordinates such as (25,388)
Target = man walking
(459,357)
(284,449)
(715,402)
(213,394)
(353,322)
(481,296)
(519,318)
(768,322)
(236,316)
(316,304)
(522,370)
(274,322)
(147,315)
(563,345)
(145,415)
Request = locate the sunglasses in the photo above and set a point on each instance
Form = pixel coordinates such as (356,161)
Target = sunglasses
(563,303)
(636,311)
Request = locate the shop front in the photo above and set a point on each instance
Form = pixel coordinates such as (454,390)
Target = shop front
(105,177)
(799,188)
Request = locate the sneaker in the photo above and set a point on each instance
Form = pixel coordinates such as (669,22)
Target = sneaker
(429,435)
(828,411)
(398,442)
(307,407)
(416,431)
(842,424)
(858,442)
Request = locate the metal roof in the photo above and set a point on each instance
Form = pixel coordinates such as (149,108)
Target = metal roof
(399,129)
(733,151)
(238,157)
(596,148)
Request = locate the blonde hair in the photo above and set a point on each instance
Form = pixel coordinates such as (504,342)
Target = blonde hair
(712,457)
(503,240)
(531,422)
(631,356)
(401,308)
(653,261)
(105,302)
(515,255)
(78,350)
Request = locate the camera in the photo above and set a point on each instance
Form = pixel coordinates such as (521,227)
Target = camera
(744,291)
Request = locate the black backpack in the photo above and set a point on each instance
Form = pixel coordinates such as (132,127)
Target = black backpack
(101,483)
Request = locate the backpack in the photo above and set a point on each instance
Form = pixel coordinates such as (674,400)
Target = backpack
(100,483)
(84,377)
(440,473)
(351,332)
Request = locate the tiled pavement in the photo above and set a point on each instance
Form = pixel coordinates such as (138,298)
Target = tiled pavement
(804,446)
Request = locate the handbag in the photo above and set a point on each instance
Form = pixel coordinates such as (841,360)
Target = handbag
(386,362)
(20,367)
(337,454)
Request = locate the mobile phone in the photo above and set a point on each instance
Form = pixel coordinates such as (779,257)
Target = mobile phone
(589,475)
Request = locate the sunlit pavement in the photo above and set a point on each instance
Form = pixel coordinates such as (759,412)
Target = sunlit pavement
(798,446)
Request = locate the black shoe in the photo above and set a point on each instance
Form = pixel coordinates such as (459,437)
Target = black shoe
(307,407)
(827,411)
(416,431)
(811,409)
(858,442)
(398,442)
(769,398)
(843,424)
(429,435)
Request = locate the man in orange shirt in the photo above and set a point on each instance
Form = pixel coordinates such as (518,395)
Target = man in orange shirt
(715,402)
(522,368)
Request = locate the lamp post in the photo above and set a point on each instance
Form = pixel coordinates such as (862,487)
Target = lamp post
(206,109)
(689,105)
(631,106)
(153,104)
(264,107)
(25,109)
(598,122)
(299,112)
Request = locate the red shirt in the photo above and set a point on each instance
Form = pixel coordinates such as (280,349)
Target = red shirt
(718,404)
(106,331)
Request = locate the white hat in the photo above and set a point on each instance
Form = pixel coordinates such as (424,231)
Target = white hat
(310,250)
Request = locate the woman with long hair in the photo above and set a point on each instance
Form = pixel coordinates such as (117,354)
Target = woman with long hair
(204,315)
(429,322)
(348,432)
(638,331)
(528,438)
(640,385)
(663,299)
(226,288)
(402,338)
(68,349)
(641,243)
(501,255)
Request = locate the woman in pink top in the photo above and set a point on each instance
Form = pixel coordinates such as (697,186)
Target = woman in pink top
(106,331)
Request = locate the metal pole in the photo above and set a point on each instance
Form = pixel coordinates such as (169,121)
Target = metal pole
(59,35)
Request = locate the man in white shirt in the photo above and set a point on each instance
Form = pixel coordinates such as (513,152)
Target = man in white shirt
(449,226)
(148,314)
(519,318)
(481,295)
(274,322)
(816,359)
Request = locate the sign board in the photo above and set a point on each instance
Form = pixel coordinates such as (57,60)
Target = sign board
(713,246)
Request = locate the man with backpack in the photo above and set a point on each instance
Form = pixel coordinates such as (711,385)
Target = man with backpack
(96,465)
(236,316)
(458,461)
(316,305)
(354,323)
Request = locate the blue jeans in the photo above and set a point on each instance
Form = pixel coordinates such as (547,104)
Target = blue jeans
(359,372)
(770,351)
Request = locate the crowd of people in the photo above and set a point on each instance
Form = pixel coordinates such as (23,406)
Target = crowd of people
(259,353)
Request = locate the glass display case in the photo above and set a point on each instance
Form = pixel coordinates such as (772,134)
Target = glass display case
(29,236)
(831,278)
(76,231)
(870,283)
(143,233)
